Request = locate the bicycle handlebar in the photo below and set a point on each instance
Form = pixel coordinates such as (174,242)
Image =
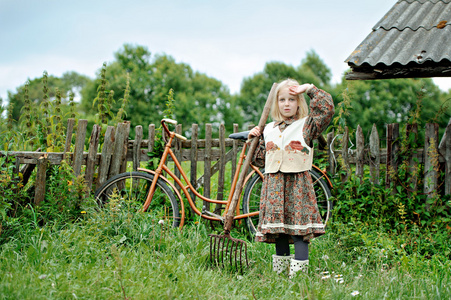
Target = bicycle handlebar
(174,122)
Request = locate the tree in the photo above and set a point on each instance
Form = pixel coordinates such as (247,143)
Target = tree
(313,62)
(255,89)
(198,98)
(388,101)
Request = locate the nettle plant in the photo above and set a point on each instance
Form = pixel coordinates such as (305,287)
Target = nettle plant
(41,127)
(158,148)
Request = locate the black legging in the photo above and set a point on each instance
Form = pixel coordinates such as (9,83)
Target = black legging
(300,247)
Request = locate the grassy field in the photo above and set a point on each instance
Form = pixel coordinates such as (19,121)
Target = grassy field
(115,254)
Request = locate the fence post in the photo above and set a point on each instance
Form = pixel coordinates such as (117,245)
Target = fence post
(137,147)
(392,152)
(105,157)
(79,146)
(375,155)
(92,156)
(431,163)
(344,155)
(359,162)
(151,140)
(69,131)
(222,162)
(207,164)
(120,148)
(193,157)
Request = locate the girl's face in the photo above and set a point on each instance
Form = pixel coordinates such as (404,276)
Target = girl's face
(288,104)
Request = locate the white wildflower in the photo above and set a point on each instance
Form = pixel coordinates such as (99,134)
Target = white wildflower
(161,222)
(355,293)
(339,278)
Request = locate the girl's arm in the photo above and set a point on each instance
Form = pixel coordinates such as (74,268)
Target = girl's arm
(321,112)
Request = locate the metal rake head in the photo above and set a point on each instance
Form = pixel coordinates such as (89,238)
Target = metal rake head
(224,248)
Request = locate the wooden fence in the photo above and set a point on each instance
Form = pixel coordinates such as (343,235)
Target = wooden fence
(118,149)
(435,156)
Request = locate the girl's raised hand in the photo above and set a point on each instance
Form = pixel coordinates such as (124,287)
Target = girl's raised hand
(299,89)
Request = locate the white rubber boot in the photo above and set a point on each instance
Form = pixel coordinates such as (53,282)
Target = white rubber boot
(297,265)
(280,263)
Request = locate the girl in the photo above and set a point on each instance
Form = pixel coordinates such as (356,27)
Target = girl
(288,209)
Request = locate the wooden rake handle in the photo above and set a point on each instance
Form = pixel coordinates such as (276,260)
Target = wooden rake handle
(239,186)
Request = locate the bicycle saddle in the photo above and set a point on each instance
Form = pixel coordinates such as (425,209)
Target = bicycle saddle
(240,135)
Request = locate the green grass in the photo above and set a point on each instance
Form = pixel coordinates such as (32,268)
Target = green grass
(116,254)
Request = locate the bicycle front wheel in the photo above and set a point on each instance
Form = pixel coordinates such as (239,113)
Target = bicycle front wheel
(252,194)
(133,187)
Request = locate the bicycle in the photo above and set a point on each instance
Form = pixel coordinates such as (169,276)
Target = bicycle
(161,194)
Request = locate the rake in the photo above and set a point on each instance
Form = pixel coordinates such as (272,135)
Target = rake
(224,248)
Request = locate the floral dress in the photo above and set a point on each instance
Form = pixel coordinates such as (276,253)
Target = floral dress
(288,202)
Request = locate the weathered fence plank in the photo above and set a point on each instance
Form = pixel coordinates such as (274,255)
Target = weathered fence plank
(392,153)
(375,155)
(207,164)
(344,155)
(92,156)
(120,148)
(79,146)
(137,147)
(222,162)
(123,166)
(151,140)
(193,158)
(107,153)
(360,144)
(69,131)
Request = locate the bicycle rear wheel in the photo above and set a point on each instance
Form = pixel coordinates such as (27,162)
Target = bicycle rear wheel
(133,187)
(252,193)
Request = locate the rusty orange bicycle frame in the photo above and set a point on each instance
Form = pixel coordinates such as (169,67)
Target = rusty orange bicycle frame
(162,167)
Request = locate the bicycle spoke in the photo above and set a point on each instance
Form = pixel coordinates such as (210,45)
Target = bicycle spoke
(133,187)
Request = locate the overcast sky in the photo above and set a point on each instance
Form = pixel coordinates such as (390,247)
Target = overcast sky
(228,40)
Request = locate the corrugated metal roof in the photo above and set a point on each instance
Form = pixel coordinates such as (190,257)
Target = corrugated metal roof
(412,32)
(415,14)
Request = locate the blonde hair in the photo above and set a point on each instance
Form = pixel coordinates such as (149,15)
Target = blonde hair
(302,104)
